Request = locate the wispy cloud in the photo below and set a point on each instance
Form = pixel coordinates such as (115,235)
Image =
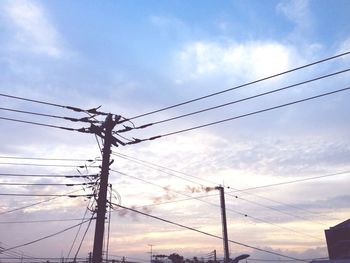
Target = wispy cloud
(254,59)
(170,26)
(32,29)
(299,14)
(296,11)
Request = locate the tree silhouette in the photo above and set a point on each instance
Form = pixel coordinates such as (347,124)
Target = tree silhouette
(176,258)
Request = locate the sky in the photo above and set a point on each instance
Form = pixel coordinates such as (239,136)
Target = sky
(134,57)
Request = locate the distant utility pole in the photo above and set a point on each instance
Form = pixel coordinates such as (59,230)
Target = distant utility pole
(105,132)
(151,252)
(224,224)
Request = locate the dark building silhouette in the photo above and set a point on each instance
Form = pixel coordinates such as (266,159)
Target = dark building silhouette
(338,241)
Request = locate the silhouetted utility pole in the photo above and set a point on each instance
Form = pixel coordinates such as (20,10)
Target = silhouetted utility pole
(224,224)
(214,255)
(105,132)
(151,252)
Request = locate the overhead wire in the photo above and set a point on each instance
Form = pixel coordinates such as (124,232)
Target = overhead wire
(76,235)
(46,237)
(290,182)
(242,85)
(206,233)
(36,203)
(109,221)
(133,258)
(282,260)
(50,159)
(84,235)
(142,162)
(48,175)
(16,253)
(76,109)
(54,195)
(45,184)
(139,161)
(51,165)
(296,207)
(51,116)
(236,101)
(228,209)
(136,140)
(153,168)
(276,209)
(84,130)
(40,221)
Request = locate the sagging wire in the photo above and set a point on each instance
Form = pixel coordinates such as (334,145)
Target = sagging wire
(76,235)
(109,220)
(84,119)
(82,240)
(136,140)
(76,109)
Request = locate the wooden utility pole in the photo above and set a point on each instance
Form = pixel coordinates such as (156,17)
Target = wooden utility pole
(106,132)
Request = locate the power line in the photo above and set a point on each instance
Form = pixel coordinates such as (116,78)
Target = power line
(236,101)
(39,258)
(52,165)
(16,254)
(139,161)
(282,260)
(256,203)
(206,233)
(292,206)
(43,124)
(45,184)
(84,235)
(76,235)
(231,210)
(143,163)
(85,119)
(45,237)
(118,256)
(55,195)
(239,116)
(36,203)
(276,209)
(40,221)
(91,111)
(291,182)
(49,159)
(241,86)
(49,175)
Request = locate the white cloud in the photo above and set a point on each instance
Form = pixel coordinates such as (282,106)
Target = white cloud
(243,60)
(33,30)
(162,21)
(296,11)
(344,46)
(169,25)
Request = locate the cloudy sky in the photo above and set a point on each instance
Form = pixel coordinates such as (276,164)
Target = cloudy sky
(134,57)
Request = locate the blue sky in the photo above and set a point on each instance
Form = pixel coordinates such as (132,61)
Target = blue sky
(132,57)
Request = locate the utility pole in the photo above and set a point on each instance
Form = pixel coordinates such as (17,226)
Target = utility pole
(214,255)
(104,131)
(224,224)
(151,252)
